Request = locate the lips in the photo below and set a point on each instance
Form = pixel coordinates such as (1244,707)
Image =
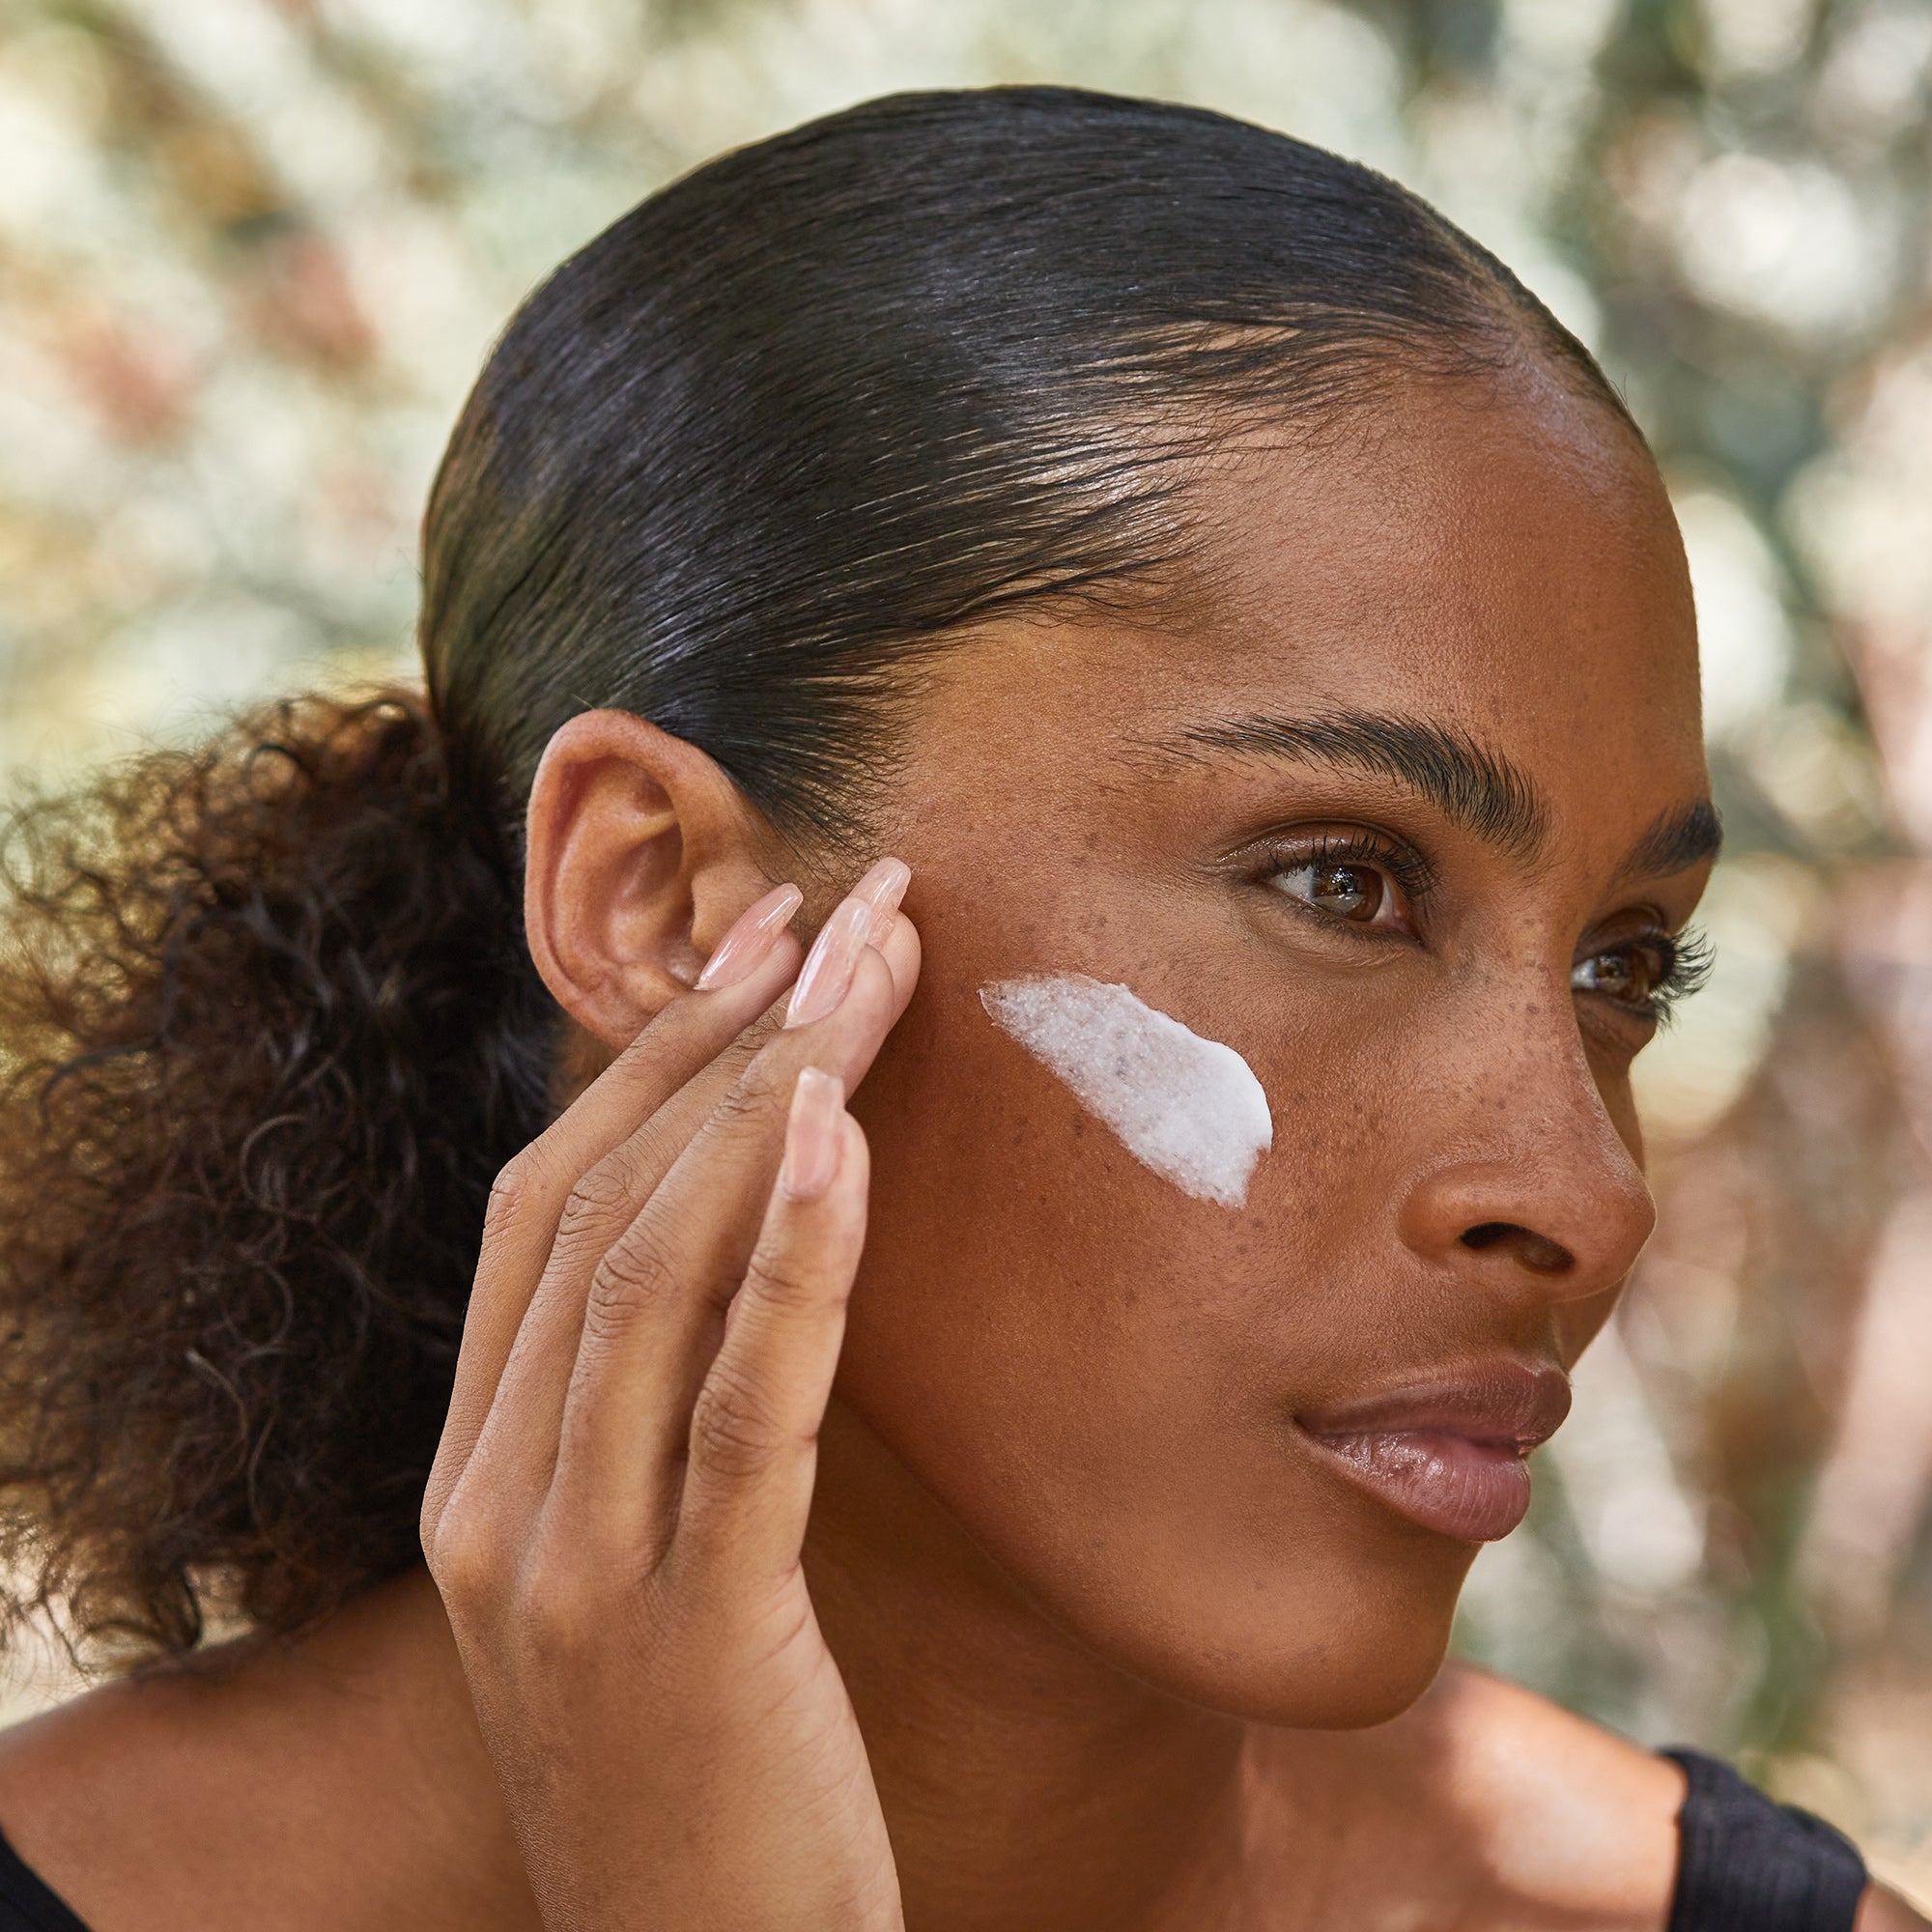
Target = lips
(1447,1454)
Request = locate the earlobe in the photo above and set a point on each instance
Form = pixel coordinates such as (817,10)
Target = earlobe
(637,846)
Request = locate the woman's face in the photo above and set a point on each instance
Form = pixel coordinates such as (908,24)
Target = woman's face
(1131,1399)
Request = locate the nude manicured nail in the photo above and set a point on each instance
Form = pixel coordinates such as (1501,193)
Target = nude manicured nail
(811,1135)
(751,937)
(862,920)
(882,889)
(827,974)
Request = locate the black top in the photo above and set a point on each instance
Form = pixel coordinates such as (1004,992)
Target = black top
(1745,1866)
(26,1905)
(1749,1866)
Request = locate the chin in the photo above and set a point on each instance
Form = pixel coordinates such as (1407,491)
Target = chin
(1337,1640)
(1251,1585)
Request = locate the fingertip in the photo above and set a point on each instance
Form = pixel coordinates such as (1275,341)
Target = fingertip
(882,889)
(749,994)
(855,1154)
(786,957)
(901,952)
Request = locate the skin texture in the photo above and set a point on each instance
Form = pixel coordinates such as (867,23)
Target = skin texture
(1122,1648)
(1142,1350)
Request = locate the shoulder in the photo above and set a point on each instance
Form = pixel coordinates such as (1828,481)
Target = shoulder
(142,1801)
(1881,1910)
(1487,1807)
(1550,1820)
(1570,1817)
(63,1763)
(90,1790)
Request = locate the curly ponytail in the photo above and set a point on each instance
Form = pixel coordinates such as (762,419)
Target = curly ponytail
(266,1033)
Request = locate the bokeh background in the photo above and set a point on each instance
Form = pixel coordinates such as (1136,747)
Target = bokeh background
(254,251)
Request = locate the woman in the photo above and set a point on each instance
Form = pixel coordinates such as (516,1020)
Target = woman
(1172,585)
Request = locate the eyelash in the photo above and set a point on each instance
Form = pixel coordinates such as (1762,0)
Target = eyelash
(1686,958)
(1406,866)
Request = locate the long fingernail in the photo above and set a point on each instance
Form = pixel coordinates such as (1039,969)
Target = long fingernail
(753,935)
(827,975)
(882,889)
(811,1135)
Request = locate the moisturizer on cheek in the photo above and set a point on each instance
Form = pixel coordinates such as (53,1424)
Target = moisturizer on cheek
(1190,1108)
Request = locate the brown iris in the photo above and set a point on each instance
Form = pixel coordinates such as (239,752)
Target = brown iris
(1348,892)
(1629,977)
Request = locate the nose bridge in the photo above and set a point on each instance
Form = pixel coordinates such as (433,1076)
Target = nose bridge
(1526,1143)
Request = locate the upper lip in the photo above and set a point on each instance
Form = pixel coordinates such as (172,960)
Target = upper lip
(1491,1402)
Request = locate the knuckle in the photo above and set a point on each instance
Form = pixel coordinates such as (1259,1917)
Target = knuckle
(733,1432)
(650,1154)
(508,1192)
(604,1193)
(435,1506)
(736,1064)
(555,1607)
(633,1276)
(554,1623)
(463,1548)
(750,1099)
(782,1282)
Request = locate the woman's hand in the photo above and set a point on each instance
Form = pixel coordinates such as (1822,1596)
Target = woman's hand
(620,1498)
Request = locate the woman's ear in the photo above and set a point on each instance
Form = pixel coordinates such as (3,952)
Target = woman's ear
(640,853)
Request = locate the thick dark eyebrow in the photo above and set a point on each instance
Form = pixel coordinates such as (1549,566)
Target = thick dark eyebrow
(1676,841)
(1471,785)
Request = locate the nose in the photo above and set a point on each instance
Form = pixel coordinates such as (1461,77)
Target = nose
(1530,1175)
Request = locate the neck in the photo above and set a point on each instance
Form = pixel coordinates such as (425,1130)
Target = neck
(1025,1783)
(390,1691)
(1024,1780)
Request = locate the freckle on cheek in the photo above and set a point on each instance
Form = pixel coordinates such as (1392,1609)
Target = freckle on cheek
(1189,1108)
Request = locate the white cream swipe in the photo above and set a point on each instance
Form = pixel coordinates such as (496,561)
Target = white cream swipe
(1189,1108)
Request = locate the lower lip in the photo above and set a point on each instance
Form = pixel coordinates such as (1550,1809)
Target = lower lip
(1476,1492)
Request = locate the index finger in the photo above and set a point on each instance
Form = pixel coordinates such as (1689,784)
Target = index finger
(521,1435)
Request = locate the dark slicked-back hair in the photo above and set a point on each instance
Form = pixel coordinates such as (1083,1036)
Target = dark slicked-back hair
(268,1024)
(833,396)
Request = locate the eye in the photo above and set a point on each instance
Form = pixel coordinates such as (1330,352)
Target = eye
(1623,976)
(1355,880)
(1352,892)
(1647,975)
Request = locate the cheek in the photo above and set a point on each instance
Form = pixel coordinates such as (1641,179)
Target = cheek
(1024,1265)
(1611,1072)
(1096,1371)
(1187,1108)
(1005,1207)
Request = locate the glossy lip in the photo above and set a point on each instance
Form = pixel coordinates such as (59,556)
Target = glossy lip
(1447,1454)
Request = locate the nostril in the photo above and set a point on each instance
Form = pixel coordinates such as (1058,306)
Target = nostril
(1488,1234)
(1532,1250)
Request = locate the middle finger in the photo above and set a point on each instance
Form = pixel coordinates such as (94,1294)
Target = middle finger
(655,1311)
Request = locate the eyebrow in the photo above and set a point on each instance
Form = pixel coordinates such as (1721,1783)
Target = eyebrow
(1471,785)
(1676,841)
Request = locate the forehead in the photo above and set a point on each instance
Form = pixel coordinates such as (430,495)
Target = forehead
(1502,563)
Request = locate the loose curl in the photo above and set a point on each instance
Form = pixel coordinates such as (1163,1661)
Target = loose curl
(269,1031)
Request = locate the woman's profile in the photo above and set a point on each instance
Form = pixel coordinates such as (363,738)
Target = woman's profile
(858,1229)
